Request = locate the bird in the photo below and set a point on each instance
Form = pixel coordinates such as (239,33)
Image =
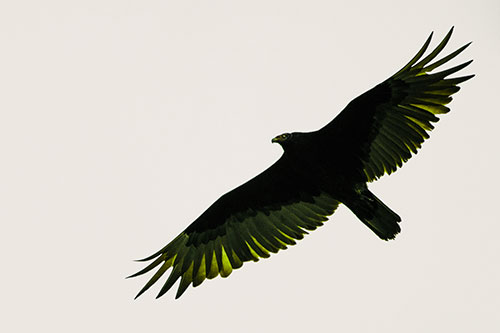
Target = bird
(372,136)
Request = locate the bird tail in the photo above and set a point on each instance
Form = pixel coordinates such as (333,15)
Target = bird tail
(375,215)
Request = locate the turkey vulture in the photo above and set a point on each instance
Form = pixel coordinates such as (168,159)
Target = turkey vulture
(375,134)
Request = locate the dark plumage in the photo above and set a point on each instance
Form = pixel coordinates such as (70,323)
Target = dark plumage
(375,134)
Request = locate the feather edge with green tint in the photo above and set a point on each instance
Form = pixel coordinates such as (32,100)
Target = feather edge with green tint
(255,236)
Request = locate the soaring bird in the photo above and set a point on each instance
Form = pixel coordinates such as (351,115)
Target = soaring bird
(374,135)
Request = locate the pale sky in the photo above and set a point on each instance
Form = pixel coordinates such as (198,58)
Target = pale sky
(122,121)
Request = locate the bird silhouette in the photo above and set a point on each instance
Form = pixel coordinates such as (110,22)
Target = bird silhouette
(374,135)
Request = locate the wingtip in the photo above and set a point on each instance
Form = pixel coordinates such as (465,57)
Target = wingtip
(147,258)
(156,254)
(163,290)
(467,63)
(429,39)
(132,276)
(468,77)
(143,290)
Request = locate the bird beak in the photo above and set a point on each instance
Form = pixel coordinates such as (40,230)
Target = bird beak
(274,140)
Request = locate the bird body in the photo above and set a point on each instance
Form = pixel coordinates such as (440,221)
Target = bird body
(374,135)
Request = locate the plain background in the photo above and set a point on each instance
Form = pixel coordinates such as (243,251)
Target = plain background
(122,121)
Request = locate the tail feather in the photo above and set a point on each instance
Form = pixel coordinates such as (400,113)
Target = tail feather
(375,215)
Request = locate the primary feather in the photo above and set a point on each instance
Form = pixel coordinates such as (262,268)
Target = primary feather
(375,134)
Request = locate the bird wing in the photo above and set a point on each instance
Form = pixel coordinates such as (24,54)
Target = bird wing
(262,216)
(382,128)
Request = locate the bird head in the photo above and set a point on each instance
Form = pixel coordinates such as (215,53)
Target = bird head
(282,138)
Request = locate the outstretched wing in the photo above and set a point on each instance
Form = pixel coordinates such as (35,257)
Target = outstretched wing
(382,128)
(262,216)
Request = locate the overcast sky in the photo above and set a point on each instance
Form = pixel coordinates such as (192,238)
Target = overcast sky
(122,121)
